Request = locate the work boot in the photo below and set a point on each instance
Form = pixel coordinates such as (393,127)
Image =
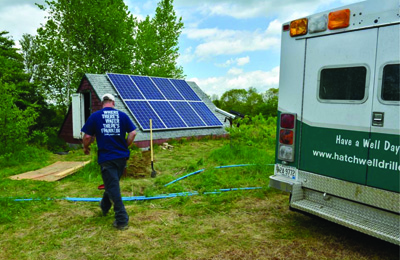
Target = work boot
(120,226)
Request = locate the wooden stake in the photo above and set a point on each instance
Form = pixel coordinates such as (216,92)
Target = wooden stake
(153,172)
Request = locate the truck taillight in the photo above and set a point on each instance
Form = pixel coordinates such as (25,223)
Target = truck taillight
(286,136)
(287,129)
(287,121)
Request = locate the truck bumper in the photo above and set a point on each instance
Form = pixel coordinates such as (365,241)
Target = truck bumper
(281,183)
(369,210)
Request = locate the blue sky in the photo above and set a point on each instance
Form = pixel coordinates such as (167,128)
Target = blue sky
(224,45)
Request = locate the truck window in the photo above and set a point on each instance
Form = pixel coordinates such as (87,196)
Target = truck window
(391,83)
(345,83)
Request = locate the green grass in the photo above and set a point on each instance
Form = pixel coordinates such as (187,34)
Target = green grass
(253,224)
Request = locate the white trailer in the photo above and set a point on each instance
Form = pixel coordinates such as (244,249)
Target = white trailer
(338,136)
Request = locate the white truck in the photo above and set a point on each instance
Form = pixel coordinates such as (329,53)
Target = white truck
(338,132)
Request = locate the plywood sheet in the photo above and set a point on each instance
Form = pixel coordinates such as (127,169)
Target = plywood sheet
(54,172)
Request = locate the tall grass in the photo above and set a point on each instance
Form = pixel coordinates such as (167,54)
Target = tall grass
(27,154)
(257,154)
(29,158)
(254,131)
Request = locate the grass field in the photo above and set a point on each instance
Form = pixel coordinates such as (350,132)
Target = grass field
(254,224)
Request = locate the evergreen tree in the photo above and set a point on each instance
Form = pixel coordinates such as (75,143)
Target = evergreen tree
(11,62)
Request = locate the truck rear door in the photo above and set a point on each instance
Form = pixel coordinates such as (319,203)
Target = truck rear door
(337,104)
(384,158)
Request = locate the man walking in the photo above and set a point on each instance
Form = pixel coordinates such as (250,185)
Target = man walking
(110,127)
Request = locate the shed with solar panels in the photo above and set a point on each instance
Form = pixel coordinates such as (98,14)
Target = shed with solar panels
(177,108)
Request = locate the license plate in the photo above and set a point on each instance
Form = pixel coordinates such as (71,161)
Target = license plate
(286,171)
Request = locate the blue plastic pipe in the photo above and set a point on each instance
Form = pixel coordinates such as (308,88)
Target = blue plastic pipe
(164,196)
(138,198)
(185,176)
(235,165)
(217,167)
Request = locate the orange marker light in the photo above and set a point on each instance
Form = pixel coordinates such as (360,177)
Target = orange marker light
(339,19)
(298,27)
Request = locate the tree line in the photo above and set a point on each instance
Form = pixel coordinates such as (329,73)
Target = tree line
(78,37)
(249,102)
(90,36)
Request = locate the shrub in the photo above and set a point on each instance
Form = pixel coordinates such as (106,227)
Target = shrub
(14,122)
(255,131)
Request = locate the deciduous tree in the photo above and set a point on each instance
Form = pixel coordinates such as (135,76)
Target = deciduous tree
(156,46)
(91,36)
(250,102)
(17,115)
(82,36)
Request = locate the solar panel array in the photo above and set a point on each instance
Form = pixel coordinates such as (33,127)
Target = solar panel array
(170,103)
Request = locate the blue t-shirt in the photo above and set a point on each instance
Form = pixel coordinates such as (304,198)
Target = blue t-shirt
(110,127)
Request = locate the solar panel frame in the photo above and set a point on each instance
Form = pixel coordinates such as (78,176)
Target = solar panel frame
(142,111)
(147,87)
(191,118)
(132,93)
(175,112)
(185,90)
(168,114)
(205,113)
(168,89)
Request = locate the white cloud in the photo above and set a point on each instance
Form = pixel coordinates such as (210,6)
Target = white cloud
(242,61)
(198,34)
(20,19)
(141,10)
(237,79)
(233,9)
(186,57)
(136,12)
(215,41)
(238,61)
(226,63)
(235,71)
(7,4)
(244,9)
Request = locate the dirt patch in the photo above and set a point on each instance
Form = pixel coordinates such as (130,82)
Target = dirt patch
(139,165)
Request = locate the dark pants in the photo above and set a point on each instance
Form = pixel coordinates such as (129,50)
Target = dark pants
(111,171)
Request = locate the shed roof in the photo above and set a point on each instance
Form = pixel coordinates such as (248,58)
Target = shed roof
(102,85)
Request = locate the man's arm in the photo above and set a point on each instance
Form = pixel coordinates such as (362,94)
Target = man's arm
(131,137)
(87,140)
